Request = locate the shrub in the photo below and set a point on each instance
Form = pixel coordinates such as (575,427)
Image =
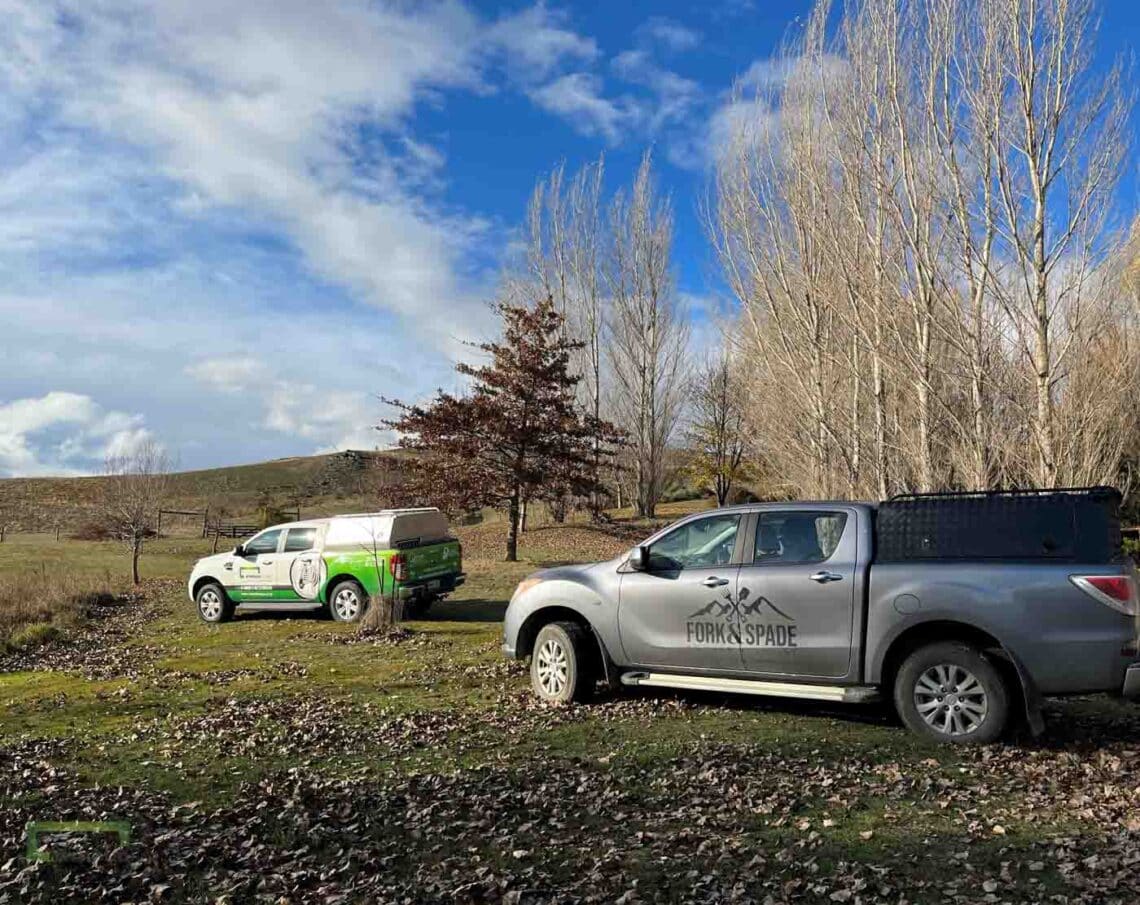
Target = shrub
(383,614)
(92,529)
(37,606)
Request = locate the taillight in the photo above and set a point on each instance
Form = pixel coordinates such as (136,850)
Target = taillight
(1116,591)
(398,566)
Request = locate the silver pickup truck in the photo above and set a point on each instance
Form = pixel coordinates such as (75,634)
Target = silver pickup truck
(962,609)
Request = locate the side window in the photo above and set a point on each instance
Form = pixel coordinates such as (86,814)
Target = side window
(798,536)
(266,542)
(298,540)
(701,543)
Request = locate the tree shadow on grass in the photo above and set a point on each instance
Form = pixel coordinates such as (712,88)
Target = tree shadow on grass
(874,714)
(279,615)
(477,610)
(1088,723)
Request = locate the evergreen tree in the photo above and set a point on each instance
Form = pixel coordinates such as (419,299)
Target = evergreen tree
(518,435)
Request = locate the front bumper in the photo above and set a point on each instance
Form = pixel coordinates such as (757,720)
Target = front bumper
(1132,682)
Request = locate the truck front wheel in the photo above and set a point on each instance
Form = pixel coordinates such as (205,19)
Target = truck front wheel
(561,667)
(213,604)
(951,692)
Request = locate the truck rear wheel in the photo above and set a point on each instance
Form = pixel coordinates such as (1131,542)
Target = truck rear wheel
(347,602)
(950,692)
(561,667)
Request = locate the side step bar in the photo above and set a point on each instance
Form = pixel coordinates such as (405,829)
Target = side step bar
(849,694)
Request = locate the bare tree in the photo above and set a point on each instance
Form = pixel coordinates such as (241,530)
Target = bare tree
(716,434)
(1058,150)
(566,246)
(134,487)
(649,332)
(775,202)
(916,224)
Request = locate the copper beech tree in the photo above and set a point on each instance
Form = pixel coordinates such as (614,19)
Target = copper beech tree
(518,435)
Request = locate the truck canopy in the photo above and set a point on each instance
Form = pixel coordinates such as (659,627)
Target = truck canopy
(1066,525)
(388,530)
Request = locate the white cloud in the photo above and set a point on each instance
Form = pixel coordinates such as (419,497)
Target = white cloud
(245,107)
(668,33)
(674,96)
(579,97)
(537,41)
(326,419)
(64,433)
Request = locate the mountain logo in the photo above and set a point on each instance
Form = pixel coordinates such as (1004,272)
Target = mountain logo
(757,623)
(725,607)
(715,608)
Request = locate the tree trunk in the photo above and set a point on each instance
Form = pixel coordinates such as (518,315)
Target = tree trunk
(1047,454)
(136,549)
(514,515)
(882,477)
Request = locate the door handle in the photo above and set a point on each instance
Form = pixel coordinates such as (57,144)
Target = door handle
(714,582)
(825,577)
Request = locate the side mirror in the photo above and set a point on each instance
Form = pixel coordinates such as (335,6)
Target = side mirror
(639,559)
(239,550)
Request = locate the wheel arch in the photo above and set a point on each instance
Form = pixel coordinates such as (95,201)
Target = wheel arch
(924,633)
(532,625)
(1022,689)
(210,579)
(330,585)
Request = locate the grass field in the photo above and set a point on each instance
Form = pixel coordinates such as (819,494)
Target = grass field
(289,759)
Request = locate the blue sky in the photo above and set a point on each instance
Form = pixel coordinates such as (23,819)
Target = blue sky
(230,226)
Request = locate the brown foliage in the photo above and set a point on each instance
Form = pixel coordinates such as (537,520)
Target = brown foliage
(517,436)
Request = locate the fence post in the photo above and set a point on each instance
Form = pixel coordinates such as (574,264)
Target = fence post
(158,527)
(57,530)
(205,523)
(3,528)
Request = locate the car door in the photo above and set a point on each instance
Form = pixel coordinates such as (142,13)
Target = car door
(299,569)
(796,592)
(256,566)
(679,612)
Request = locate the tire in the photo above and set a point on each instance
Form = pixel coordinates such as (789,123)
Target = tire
(562,665)
(930,701)
(347,601)
(214,606)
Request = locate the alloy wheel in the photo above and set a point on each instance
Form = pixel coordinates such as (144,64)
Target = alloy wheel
(210,604)
(951,699)
(347,604)
(553,667)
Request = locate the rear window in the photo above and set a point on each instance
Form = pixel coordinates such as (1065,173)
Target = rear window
(797,536)
(298,540)
(1080,526)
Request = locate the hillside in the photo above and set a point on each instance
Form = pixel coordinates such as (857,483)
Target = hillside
(317,484)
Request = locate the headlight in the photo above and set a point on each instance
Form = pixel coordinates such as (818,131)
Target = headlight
(525,585)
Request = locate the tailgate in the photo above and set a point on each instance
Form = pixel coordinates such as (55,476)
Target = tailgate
(432,560)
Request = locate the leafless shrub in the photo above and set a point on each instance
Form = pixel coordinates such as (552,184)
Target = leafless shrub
(383,614)
(134,488)
(37,604)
